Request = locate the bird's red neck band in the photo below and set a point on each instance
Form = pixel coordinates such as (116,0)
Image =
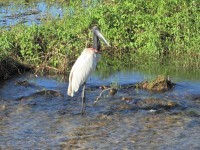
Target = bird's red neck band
(93,49)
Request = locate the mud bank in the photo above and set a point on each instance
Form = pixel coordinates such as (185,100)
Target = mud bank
(10,67)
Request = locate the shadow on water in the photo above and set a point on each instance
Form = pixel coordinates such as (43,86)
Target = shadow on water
(37,113)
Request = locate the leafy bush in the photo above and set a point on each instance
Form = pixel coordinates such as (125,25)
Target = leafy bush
(146,29)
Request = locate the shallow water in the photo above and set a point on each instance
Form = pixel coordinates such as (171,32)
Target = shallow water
(34,12)
(13,13)
(50,121)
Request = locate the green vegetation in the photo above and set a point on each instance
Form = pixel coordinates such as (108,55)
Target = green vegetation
(140,32)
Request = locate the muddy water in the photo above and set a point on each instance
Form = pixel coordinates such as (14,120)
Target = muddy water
(37,114)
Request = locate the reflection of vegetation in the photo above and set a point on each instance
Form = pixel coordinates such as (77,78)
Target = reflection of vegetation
(140,33)
(153,67)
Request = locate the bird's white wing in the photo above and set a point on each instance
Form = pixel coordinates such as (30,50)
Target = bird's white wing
(83,67)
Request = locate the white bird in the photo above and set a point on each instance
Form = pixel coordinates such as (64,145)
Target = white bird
(85,65)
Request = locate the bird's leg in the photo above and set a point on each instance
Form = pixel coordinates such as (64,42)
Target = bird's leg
(83,99)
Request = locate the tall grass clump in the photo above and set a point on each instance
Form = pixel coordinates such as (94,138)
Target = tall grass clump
(139,32)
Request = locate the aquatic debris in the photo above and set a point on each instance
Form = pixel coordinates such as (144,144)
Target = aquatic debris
(112,92)
(105,116)
(25,83)
(195,98)
(22,83)
(53,93)
(161,83)
(126,98)
(152,110)
(151,103)
(101,94)
(2,107)
(124,106)
(103,87)
(193,113)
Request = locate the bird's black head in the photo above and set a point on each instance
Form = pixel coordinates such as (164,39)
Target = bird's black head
(96,36)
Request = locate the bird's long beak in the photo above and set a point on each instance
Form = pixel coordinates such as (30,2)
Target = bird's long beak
(98,33)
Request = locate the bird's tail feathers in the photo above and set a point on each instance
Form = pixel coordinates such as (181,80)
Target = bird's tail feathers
(69,91)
